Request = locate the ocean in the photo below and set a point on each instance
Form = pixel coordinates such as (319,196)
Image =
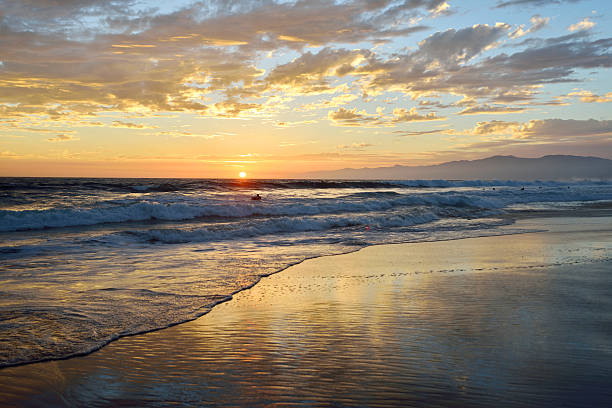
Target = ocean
(86,261)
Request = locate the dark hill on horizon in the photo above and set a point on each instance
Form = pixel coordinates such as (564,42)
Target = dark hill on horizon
(553,167)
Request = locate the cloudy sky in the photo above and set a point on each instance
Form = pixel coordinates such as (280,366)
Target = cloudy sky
(140,88)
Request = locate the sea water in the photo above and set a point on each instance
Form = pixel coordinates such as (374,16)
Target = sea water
(86,261)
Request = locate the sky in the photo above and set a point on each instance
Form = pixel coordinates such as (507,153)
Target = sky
(273,88)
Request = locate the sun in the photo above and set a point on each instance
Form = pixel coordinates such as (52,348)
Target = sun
(242,174)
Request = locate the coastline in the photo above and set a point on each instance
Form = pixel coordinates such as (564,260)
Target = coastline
(145,263)
(172,357)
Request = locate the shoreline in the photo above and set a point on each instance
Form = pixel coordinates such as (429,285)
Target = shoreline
(515,216)
(130,347)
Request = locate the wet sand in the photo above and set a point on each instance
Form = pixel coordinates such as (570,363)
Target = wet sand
(516,320)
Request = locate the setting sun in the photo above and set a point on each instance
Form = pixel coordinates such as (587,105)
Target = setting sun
(242,174)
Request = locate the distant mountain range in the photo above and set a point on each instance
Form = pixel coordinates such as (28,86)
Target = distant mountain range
(556,167)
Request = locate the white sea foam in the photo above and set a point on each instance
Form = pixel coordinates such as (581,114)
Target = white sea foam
(496,183)
(191,208)
(254,228)
(185,208)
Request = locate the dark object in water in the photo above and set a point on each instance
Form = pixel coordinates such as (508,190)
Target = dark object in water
(256,197)
(522,188)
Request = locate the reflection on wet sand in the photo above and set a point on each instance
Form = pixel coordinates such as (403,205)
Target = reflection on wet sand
(521,320)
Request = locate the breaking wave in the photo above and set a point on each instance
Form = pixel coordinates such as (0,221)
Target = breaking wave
(178,208)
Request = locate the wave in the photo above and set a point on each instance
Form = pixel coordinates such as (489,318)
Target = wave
(281,225)
(221,185)
(144,211)
(170,185)
(499,183)
(195,208)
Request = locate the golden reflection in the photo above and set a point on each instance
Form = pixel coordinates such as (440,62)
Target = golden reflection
(133,46)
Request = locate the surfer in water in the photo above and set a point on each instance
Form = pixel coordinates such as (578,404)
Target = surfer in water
(256,197)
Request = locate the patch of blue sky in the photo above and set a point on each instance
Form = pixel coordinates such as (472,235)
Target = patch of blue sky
(161,7)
